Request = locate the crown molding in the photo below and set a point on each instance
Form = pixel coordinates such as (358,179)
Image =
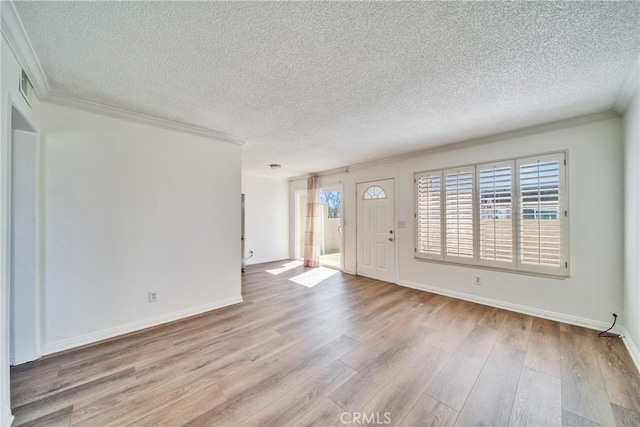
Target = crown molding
(518,133)
(16,36)
(532,130)
(335,171)
(119,113)
(629,89)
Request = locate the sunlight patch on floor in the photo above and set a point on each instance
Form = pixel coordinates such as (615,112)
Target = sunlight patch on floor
(331,260)
(313,277)
(285,267)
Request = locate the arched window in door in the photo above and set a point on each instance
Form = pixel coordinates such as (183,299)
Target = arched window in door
(374,192)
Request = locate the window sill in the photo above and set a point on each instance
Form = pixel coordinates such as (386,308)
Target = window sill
(501,270)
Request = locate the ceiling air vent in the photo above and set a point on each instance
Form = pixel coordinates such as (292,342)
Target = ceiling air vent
(26,89)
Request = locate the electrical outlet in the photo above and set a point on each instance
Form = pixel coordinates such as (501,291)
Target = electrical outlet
(477,280)
(153,296)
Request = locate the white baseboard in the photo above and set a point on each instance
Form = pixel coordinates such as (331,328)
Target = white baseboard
(7,418)
(252,261)
(632,348)
(558,317)
(93,337)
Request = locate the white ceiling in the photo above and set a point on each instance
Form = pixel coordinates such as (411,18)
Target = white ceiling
(320,85)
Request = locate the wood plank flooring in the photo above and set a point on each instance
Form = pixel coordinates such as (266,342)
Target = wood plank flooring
(349,350)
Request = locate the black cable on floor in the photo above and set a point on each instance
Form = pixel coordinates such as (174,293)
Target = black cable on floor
(606,334)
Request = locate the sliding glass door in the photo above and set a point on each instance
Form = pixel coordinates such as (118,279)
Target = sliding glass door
(331,247)
(330,223)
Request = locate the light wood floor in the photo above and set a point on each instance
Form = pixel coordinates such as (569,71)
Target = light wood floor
(292,355)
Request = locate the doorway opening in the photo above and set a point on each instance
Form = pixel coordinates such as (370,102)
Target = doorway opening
(331,245)
(24,288)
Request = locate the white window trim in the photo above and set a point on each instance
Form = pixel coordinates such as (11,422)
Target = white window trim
(557,272)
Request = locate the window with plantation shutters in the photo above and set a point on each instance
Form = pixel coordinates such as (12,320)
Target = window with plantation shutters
(541,214)
(495,219)
(429,215)
(510,214)
(459,216)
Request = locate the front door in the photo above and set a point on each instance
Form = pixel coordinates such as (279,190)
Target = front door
(375,234)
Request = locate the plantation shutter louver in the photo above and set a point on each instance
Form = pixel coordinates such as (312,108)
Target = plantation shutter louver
(496,222)
(541,214)
(429,215)
(459,217)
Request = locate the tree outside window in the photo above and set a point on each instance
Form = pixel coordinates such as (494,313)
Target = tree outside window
(333,200)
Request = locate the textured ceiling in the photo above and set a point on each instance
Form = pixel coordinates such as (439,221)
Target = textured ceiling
(320,85)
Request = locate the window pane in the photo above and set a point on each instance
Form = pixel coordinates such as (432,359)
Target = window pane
(496,213)
(429,214)
(331,202)
(539,228)
(374,192)
(459,214)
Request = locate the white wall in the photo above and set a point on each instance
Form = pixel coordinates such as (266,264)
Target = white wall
(631,314)
(10,97)
(129,208)
(266,217)
(24,289)
(593,291)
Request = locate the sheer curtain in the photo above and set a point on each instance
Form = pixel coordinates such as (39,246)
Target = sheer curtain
(312,232)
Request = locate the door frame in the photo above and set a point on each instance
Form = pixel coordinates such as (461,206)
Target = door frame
(296,214)
(395,224)
(9,166)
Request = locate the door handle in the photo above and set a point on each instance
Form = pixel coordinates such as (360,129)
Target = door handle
(339,229)
(391,239)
